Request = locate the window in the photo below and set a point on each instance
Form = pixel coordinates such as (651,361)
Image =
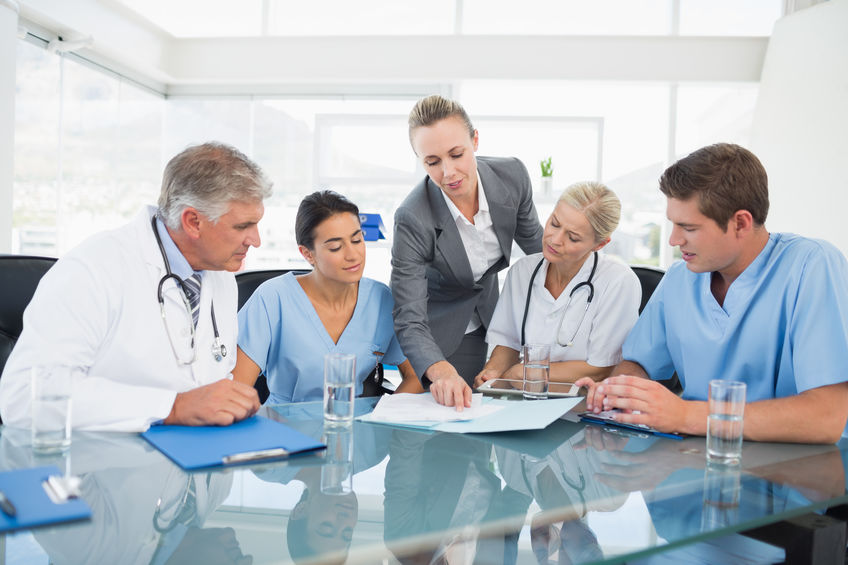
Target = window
(87,152)
(90,149)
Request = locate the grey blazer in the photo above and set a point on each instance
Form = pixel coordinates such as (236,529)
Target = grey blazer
(434,291)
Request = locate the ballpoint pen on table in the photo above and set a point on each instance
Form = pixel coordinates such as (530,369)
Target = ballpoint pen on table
(7,506)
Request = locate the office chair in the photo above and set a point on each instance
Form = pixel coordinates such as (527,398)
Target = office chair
(19,276)
(649,278)
(248,282)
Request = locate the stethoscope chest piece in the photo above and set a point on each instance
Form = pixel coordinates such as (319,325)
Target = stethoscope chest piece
(219,350)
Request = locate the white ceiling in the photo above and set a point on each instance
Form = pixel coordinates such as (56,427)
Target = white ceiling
(119,37)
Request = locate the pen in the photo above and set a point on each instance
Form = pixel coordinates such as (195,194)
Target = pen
(255,455)
(7,506)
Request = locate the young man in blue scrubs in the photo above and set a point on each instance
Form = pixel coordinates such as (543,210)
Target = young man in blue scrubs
(767,309)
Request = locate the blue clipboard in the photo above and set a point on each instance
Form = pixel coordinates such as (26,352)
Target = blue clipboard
(249,441)
(24,488)
(590,418)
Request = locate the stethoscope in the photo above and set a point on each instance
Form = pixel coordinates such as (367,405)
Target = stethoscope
(184,510)
(162,524)
(219,350)
(578,486)
(587,283)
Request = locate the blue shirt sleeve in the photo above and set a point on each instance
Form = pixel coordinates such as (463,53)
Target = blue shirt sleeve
(647,342)
(817,329)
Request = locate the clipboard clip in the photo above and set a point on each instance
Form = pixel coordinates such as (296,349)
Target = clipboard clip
(249,456)
(62,489)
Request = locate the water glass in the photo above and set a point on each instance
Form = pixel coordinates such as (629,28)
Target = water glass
(337,471)
(724,423)
(537,365)
(339,373)
(51,408)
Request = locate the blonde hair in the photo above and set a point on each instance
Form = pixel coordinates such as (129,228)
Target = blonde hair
(598,203)
(435,108)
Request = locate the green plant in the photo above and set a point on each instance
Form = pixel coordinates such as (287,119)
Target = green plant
(547,167)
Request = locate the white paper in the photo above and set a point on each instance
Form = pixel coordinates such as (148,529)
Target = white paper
(422,408)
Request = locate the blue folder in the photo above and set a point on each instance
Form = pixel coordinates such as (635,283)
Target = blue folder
(372,227)
(248,441)
(33,507)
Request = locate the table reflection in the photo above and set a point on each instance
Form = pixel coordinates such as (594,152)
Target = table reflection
(144,509)
(566,494)
(563,483)
(687,497)
(436,483)
(322,522)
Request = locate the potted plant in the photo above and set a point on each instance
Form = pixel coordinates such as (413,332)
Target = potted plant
(547,175)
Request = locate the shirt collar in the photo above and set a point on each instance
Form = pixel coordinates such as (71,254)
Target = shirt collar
(482,203)
(179,264)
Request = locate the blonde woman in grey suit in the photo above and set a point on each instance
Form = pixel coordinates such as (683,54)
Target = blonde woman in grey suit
(453,233)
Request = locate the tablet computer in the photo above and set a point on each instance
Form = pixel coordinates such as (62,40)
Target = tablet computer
(605,418)
(500,387)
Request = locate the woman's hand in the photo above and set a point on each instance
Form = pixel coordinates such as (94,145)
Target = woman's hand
(501,365)
(486,375)
(447,387)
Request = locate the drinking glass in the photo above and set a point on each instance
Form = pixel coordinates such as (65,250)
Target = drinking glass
(537,365)
(724,423)
(51,408)
(339,371)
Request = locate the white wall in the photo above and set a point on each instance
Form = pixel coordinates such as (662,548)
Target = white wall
(8,49)
(801,123)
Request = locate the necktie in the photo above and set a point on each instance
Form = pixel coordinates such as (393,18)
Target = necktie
(192,288)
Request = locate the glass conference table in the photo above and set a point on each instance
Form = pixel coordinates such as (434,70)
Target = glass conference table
(571,493)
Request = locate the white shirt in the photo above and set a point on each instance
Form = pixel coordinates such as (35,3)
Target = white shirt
(611,315)
(479,240)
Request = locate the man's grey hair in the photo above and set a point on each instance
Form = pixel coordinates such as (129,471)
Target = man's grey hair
(208,177)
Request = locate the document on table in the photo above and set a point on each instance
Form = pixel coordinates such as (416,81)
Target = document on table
(488,415)
(422,408)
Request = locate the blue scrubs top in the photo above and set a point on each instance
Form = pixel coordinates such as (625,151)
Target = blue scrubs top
(783,328)
(281,332)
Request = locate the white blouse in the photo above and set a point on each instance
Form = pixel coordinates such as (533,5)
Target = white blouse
(610,317)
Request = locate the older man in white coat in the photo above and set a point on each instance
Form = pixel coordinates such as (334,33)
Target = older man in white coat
(145,315)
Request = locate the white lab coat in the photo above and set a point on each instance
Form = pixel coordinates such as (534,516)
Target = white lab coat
(97,310)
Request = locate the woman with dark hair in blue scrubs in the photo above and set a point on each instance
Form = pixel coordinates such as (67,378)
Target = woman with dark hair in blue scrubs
(290,322)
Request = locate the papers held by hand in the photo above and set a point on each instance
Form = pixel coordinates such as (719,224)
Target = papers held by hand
(422,408)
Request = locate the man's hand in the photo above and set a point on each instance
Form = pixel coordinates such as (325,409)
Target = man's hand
(643,401)
(447,387)
(218,404)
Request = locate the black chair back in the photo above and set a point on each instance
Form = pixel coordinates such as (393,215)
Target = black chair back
(649,278)
(249,281)
(19,276)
